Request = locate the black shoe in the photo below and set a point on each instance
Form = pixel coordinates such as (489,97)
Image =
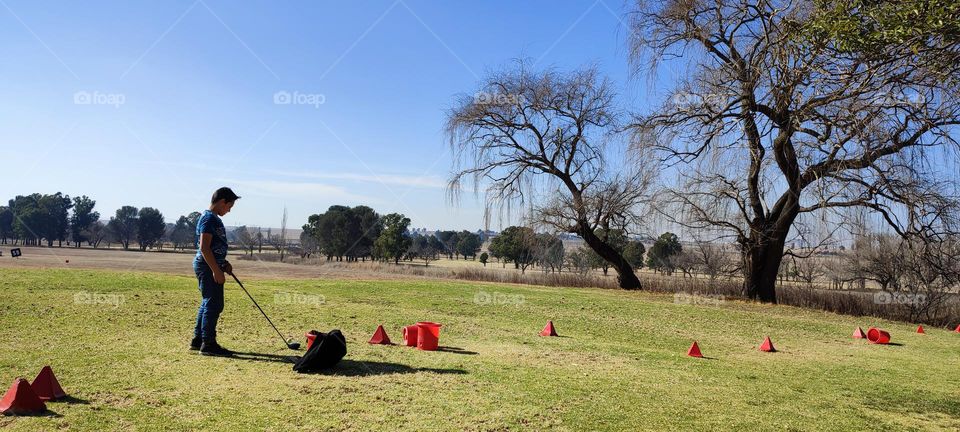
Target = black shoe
(212,348)
(195,344)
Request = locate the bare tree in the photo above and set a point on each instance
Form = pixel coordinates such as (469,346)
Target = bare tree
(283,233)
(279,241)
(541,138)
(931,276)
(807,269)
(713,259)
(772,121)
(686,261)
(878,258)
(95,233)
(842,270)
(919,275)
(245,239)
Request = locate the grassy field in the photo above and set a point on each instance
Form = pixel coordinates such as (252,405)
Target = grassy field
(619,365)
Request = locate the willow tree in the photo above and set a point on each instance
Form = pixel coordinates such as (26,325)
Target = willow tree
(775,116)
(542,139)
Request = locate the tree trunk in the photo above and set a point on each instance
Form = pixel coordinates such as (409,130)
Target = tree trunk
(625,275)
(761,264)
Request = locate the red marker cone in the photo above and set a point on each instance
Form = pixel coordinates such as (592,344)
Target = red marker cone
(21,399)
(694,350)
(920,330)
(549,330)
(767,345)
(46,385)
(380,337)
(859,334)
(958,328)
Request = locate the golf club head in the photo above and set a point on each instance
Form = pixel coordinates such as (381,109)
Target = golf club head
(293,345)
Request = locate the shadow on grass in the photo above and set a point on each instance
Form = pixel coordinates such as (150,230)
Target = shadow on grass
(261,357)
(456,350)
(372,368)
(45,413)
(70,400)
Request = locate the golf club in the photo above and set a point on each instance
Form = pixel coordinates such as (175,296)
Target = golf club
(291,345)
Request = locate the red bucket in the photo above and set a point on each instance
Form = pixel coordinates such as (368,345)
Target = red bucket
(428,335)
(878,336)
(410,335)
(310,338)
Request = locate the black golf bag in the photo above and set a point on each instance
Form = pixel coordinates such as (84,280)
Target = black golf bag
(327,350)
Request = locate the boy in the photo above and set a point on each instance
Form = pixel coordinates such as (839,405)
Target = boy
(210,265)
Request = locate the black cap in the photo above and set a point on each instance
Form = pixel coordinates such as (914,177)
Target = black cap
(224,193)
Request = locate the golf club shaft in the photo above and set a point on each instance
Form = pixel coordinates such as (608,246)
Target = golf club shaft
(261,309)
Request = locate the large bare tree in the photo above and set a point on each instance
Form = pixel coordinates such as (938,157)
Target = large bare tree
(771,119)
(541,139)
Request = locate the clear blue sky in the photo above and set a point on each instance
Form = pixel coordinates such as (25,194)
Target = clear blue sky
(183,98)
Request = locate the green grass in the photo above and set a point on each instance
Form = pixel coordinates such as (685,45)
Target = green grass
(620,364)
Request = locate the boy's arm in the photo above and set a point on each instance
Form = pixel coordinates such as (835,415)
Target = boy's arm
(205,240)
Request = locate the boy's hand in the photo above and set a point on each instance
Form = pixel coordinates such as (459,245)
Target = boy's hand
(227,267)
(218,277)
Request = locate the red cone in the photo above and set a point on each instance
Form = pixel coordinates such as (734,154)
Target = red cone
(694,350)
(20,399)
(859,334)
(380,337)
(46,385)
(920,330)
(549,330)
(767,345)
(958,328)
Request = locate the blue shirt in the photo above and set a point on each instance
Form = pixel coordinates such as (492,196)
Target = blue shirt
(210,223)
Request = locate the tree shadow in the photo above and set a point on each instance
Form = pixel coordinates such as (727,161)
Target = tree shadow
(373,368)
(456,350)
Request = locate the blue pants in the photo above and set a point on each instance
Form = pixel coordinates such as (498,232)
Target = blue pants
(211,303)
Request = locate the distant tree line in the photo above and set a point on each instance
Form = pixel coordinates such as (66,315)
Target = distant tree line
(345,233)
(359,233)
(39,219)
